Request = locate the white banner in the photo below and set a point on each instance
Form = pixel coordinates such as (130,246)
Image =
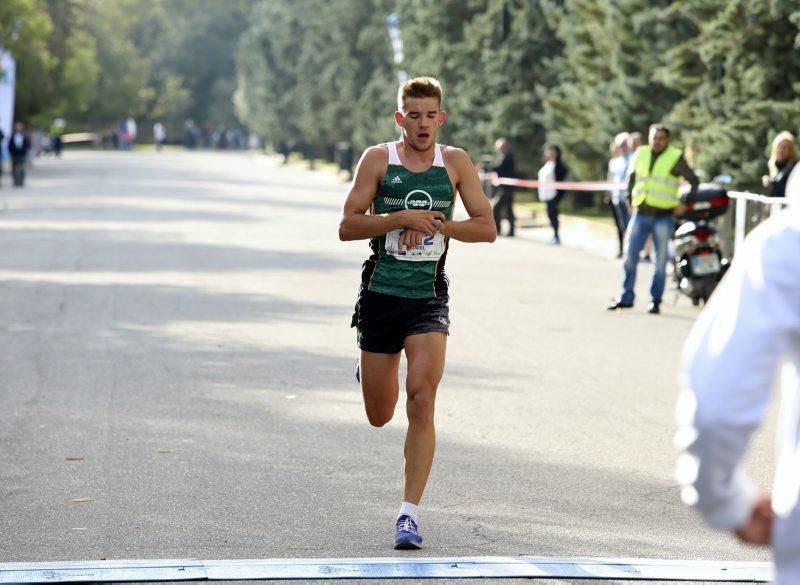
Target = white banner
(8,77)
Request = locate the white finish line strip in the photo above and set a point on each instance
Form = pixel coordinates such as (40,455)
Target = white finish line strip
(386,568)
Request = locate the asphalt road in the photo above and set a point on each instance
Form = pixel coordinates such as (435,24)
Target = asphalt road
(176,380)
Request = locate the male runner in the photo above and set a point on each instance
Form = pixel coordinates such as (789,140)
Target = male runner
(402,200)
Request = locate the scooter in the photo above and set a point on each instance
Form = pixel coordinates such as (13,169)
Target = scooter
(698,263)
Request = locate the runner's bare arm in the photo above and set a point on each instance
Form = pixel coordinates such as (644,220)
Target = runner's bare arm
(480,226)
(355,224)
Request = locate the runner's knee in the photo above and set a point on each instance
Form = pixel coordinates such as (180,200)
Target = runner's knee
(379,413)
(420,406)
(377,418)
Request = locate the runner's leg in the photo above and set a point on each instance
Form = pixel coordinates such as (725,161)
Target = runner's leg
(426,355)
(379,385)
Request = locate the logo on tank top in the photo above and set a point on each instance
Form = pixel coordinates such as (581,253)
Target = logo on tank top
(419,199)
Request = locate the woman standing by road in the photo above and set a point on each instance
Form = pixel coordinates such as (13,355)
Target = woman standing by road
(781,162)
(553,170)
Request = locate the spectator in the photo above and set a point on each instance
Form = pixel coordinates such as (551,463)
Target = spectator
(37,140)
(618,173)
(47,143)
(504,207)
(131,128)
(220,138)
(236,139)
(159,135)
(746,339)
(124,135)
(781,162)
(253,142)
(553,170)
(653,188)
(204,135)
(190,135)
(18,146)
(57,129)
(634,143)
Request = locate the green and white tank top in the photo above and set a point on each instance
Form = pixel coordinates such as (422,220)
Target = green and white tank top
(417,272)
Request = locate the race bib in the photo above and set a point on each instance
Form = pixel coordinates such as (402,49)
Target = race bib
(431,248)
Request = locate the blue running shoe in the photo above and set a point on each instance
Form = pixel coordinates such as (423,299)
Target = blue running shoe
(407,537)
(358,371)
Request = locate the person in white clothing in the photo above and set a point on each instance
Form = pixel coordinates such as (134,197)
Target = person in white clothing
(745,342)
(547,175)
(159,135)
(618,170)
(553,170)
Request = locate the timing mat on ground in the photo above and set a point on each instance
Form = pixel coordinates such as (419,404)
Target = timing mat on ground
(385,568)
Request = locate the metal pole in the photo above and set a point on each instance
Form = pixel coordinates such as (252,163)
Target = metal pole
(741,219)
(396,38)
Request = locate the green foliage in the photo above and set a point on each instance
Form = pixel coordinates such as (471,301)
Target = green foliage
(194,41)
(121,87)
(97,61)
(300,78)
(267,74)
(608,75)
(70,80)
(722,73)
(25,27)
(171,102)
(739,83)
(494,60)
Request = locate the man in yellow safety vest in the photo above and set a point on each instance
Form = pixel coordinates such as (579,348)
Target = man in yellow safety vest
(654,190)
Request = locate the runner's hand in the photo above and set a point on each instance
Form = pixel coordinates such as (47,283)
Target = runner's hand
(422,221)
(411,239)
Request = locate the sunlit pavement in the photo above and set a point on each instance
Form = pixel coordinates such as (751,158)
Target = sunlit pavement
(177,382)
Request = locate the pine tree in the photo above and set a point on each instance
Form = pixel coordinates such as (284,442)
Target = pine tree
(303,80)
(608,75)
(494,59)
(740,78)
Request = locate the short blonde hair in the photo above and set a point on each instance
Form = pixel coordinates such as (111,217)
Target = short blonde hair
(419,87)
(773,157)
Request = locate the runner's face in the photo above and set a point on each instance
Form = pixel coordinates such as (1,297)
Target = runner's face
(420,121)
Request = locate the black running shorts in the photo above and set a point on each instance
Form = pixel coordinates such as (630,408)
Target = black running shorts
(384,321)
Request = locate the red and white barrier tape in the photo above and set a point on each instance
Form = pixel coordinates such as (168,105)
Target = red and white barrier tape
(560,185)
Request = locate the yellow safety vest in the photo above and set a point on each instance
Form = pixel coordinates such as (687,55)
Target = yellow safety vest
(657,188)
